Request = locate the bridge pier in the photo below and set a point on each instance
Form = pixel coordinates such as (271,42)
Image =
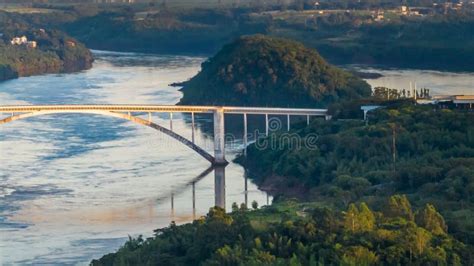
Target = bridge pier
(266,125)
(219,186)
(288,122)
(194,200)
(192,127)
(171,121)
(219,138)
(245,134)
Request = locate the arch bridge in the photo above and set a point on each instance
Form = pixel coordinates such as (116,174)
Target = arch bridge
(17,112)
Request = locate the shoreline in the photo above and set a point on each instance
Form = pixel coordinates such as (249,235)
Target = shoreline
(66,68)
(349,64)
(364,71)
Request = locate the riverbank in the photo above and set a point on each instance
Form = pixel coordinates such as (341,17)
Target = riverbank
(27,50)
(22,62)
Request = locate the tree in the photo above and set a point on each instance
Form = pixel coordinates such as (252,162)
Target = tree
(366,218)
(416,239)
(359,255)
(359,219)
(431,220)
(235,207)
(254,205)
(350,218)
(399,206)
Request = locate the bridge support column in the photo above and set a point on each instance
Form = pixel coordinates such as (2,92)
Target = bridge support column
(246,192)
(192,127)
(172,205)
(245,134)
(219,137)
(219,186)
(194,200)
(307,120)
(288,122)
(266,124)
(171,121)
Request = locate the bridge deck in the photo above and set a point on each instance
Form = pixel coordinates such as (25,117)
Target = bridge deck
(161,109)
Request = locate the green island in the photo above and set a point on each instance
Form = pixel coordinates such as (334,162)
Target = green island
(26,50)
(259,70)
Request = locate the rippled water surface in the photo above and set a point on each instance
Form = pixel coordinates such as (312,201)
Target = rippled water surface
(74,186)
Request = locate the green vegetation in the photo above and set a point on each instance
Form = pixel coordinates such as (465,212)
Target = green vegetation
(55,51)
(259,70)
(290,233)
(420,155)
(341,36)
(425,153)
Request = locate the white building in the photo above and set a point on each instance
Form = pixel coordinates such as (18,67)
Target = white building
(19,40)
(31,44)
(24,41)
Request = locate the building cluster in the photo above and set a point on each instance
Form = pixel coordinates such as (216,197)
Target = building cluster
(447,101)
(437,8)
(23,41)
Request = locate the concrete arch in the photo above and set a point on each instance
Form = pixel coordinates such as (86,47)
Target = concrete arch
(134,119)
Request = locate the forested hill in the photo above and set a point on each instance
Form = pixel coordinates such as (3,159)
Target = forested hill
(292,233)
(266,71)
(53,50)
(425,153)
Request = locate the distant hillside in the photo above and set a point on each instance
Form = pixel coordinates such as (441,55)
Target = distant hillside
(354,37)
(267,71)
(47,51)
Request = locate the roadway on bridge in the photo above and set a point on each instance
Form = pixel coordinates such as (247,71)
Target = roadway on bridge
(161,109)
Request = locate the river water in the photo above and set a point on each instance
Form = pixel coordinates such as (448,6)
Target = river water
(439,83)
(74,186)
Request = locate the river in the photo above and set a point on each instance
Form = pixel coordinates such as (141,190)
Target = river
(439,82)
(73,187)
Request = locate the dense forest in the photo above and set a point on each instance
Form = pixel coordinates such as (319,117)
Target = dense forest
(54,52)
(266,71)
(421,151)
(350,34)
(291,233)
(395,191)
